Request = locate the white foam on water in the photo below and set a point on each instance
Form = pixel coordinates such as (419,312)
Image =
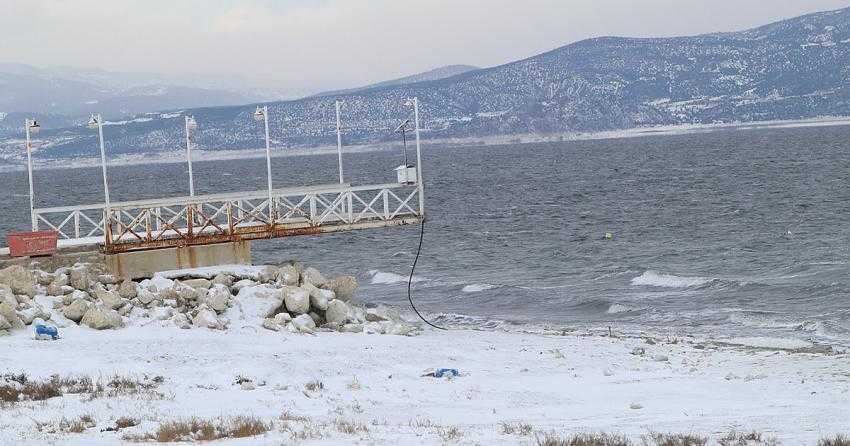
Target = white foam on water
(384,278)
(477,287)
(654,279)
(620,308)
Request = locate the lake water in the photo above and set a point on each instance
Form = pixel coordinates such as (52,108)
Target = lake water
(732,233)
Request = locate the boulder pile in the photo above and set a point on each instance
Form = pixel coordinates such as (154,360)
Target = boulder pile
(286,298)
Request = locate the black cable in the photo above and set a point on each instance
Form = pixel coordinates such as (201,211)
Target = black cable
(410,279)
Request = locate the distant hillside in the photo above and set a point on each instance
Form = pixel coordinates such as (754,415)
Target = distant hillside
(796,68)
(73,94)
(432,75)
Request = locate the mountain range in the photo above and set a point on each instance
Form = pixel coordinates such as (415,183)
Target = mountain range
(796,68)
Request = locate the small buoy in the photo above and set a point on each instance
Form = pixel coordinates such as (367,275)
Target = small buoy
(609,236)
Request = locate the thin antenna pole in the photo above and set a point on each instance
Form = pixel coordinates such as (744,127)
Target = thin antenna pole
(103,160)
(189,160)
(268,161)
(29,171)
(339,141)
(419,180)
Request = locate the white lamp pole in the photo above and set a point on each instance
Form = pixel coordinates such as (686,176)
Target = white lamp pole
(96,122)
(189,155)
(263,114)
(419,178)
(339,140)
(31,125)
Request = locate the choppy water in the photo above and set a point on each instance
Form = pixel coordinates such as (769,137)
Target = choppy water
(732,233)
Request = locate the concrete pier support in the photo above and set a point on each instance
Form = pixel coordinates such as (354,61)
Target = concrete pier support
(141,264)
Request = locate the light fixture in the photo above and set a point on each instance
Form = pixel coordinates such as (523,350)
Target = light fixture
(34,126)
(259,115)
(94,122)
(191,124)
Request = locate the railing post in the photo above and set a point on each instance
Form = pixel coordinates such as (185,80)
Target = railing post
(148,227)
(190,218)
(312,208)
(77,224)
(386,204)
(350,207)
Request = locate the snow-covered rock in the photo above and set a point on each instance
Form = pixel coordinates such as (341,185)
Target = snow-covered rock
(343,286)
(312,276)
(304,323)
(206,318)
(9,314)
(76,310)
(297,300)
(338,312)
(288,275)
(101,318)
(128,290)
(218,298)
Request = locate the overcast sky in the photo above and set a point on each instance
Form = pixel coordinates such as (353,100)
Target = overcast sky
(339,43)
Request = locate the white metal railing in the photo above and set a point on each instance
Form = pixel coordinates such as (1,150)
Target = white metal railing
(220,217)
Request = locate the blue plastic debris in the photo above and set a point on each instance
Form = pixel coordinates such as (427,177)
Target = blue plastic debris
(446,373)
(46,332)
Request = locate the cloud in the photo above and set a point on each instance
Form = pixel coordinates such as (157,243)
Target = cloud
(338,43)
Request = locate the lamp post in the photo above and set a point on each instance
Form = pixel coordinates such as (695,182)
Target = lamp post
(32,127)
(262,114)
(96,122)
(419,178)
(339,140)
(191,125)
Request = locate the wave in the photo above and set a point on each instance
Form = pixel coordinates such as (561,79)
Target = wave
(477,287)
(620,309)
(660,280)
(384,278)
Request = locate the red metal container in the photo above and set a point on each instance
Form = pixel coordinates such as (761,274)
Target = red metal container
(23,244)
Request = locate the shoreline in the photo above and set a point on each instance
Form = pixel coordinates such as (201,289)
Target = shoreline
(200,155)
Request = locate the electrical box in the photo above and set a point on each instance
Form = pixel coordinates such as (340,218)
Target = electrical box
(406,174)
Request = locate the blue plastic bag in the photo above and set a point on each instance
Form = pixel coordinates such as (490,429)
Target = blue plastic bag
(446,373)
(46,332)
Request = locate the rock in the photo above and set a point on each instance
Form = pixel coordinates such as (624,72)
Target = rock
(110,299)
(76,310)
(107,279)
(661,358)
(80,279)
(8,297)
(373,328)
(125,310)
(55,290)
(267,274)
(101,318)
(218,298)
(297,300)
(145,297)
(401,329)
(338,312)
(223,279)
(381,313)
(182,321)
(253,304)
(312,276)
(638,351)
(343,286)
(352,328)
(319,298)
(23,287)
(4,324)
(304,324)
(43,278)
(198,283)
(9,314)
(32,313)
(271,324)
(635,406)
(244,283)
(318,320)
(61,280)
(287,275)
(161,313)
(206,318)
(15,272)
(247,385)
(189,294)
(282,318)
(128,290)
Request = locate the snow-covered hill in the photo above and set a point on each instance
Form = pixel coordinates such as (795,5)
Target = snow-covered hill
(792,69)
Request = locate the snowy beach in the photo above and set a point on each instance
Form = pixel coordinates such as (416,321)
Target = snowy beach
(372,390)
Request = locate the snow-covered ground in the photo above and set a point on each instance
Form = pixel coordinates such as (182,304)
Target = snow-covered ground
(554,382)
